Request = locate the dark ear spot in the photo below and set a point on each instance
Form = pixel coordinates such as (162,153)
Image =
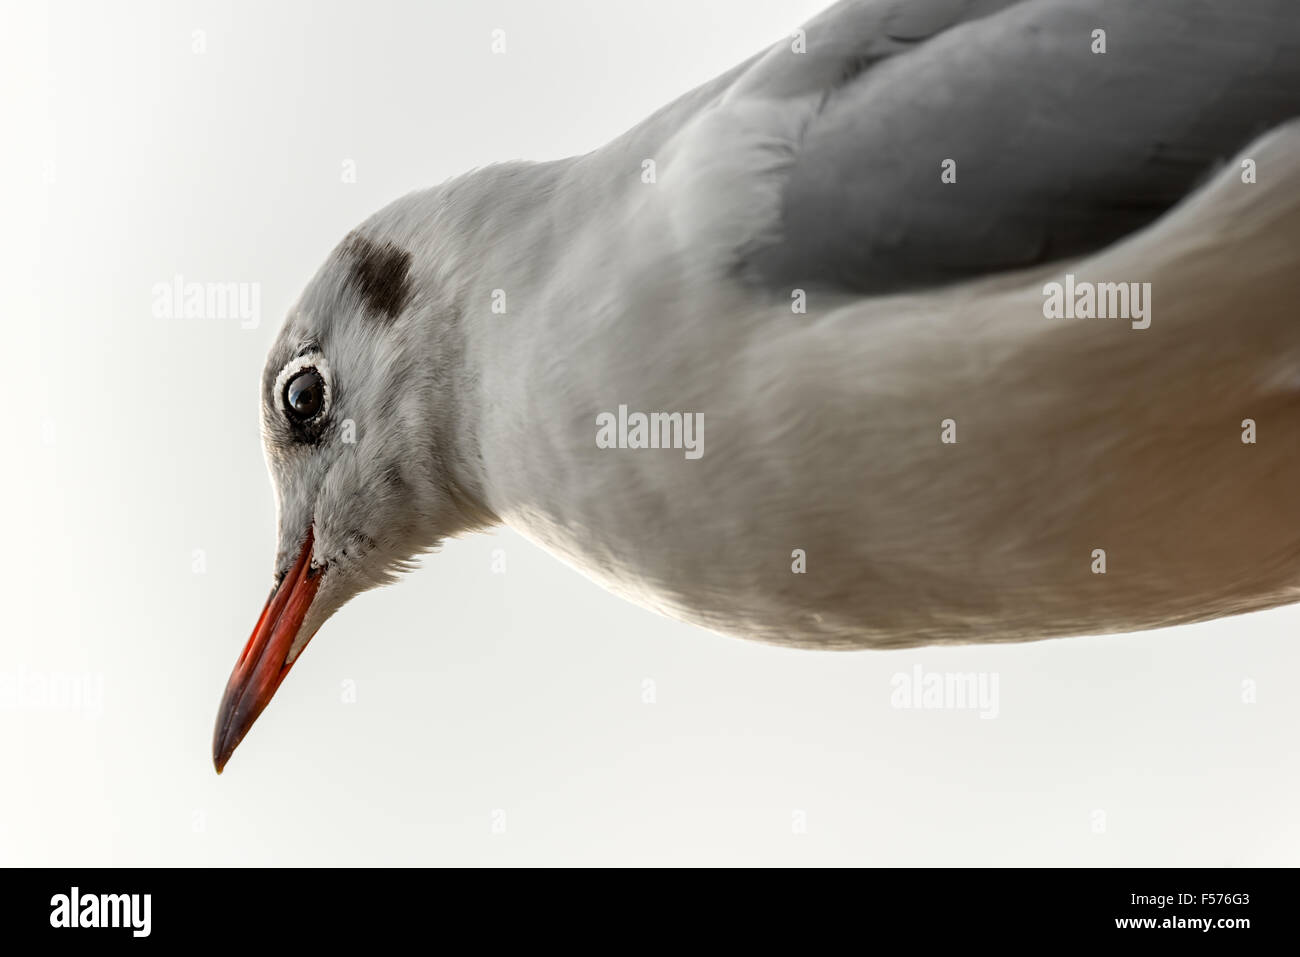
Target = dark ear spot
(381,274)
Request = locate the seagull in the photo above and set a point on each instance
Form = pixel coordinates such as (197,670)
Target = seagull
(936,322)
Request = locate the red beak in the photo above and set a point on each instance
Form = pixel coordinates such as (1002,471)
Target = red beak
(264,663)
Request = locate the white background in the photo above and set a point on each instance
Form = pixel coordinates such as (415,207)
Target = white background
(130,442)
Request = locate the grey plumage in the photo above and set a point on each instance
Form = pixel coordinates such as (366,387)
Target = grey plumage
(820,171)
(1060,150)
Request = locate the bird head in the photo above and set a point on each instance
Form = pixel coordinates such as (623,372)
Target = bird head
(356,401)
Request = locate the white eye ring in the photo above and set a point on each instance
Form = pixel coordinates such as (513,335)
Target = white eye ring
(312,360)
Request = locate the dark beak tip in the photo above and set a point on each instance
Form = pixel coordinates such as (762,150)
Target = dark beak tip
(220,755)
(220,751)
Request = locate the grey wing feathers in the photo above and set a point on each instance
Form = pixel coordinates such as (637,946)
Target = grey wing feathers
(1058,150)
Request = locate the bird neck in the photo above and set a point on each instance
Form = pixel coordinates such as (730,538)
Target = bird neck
(482,247)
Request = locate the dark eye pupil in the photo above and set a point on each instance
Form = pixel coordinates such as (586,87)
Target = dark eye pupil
(304,394)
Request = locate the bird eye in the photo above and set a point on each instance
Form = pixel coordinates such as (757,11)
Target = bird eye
(304,395)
